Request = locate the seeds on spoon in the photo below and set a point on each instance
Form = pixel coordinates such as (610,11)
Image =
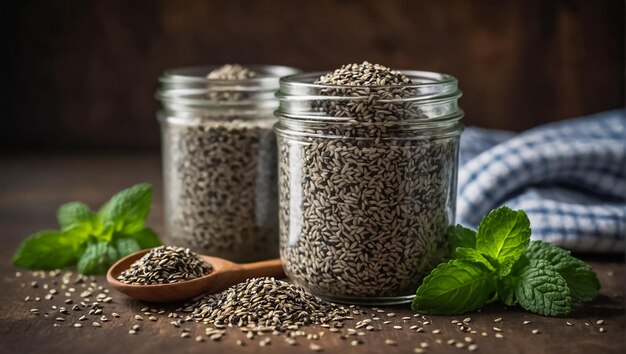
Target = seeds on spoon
(164,265)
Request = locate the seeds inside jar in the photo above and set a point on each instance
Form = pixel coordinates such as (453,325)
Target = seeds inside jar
(365,201)
(220,167)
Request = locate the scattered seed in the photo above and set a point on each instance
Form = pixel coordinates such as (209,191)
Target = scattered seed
(314,347)
(390,342)
(77,325)
(138,318)
(526,322)
(397,327)
(436,331)
(536,331)
(602,330)
(472,347)
(497,329)
(499,335)
(499,319)
(599,322)
(185,335)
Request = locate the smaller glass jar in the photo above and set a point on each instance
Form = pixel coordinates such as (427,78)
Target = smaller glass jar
(367,184)
(219,162)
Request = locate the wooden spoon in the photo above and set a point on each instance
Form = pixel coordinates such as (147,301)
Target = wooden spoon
(225,273)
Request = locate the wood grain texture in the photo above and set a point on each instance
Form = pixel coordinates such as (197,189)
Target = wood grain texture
(83,74)
(32,187)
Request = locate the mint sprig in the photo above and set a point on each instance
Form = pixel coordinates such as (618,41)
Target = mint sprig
(499,262)
(92,241)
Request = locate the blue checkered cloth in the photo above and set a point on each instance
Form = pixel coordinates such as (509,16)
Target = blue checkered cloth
(569,177)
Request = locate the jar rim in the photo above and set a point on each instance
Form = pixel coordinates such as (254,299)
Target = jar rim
(268,74)
(189,86)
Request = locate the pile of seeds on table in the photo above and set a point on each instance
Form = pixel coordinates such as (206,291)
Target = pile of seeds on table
(220,174)
(165,264)
(268,303)
(364,206)
(70,300)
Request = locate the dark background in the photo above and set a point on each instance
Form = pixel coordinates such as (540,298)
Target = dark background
(82,74)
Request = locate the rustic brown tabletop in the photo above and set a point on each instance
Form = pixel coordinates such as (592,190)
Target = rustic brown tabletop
(32,187)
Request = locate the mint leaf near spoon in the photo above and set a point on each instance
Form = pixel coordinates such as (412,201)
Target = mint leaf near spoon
(500,262)
(92,240)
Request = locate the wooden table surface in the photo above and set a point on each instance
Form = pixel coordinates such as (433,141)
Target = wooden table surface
(31,188)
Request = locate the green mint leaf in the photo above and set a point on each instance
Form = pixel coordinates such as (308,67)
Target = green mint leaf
(503,233)
(581,279)
(75,214)
(506,289)
(95,259)
(47,249)
(504,266)
(125,246)
(459,236)
(453,288)
(128,209)
(146,238)
(472,255)
(542,290)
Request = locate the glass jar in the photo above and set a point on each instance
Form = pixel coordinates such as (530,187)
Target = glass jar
(367,184)
(219,162)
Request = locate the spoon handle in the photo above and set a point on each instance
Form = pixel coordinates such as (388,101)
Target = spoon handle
(269,268)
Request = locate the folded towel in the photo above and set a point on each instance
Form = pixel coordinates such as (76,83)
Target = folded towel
(569,177)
